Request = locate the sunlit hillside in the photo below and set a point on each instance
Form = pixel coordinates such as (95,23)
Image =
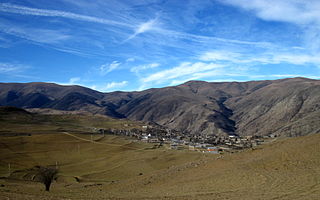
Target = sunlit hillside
(116,167)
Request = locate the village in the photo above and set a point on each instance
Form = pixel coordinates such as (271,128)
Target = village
(176,140)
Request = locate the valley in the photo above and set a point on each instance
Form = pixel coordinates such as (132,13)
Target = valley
(117,168)
(159,100)
(120,167)
(198,140)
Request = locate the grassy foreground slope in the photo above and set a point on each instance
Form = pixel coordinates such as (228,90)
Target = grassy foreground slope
(286,169)
(85,167)
(118,168)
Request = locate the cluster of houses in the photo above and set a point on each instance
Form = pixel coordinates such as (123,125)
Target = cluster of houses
(181,141)
(218,144)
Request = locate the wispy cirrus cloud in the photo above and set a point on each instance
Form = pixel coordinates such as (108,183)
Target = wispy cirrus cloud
(185,71)
(188,71)
(139,68)
(105,87)
(46,36)
(72,81)
(296,59)
(177,39)
(11,68)
(205,39)
(144,27)
(16,71)
(115,85)
(261,58)
(293,11)
(301,13)
(130,60)
(229,65)
(62,40)
(107,68)
(220,56)
(23,10)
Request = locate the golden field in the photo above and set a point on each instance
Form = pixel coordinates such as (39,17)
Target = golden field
(114,167)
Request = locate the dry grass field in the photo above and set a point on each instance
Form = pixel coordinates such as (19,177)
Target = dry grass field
(116,167)
(17,122)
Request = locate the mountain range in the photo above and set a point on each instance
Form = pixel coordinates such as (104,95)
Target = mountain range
(284,107)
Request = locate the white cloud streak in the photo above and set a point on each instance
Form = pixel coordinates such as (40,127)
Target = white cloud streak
(100,87)
(151,25)
(266,58)
(107,68)
(36,35)
(130,60)
(139,68)
(22,10)
(115,85)
(10,68)
(220,55)
(293,11)
(227,64)
(184,72)
(74,80)
(144,27)
(206,39)
(297,59)
(184,69)
(302,13)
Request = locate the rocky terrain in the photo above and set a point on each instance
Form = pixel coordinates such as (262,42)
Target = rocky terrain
(285,107)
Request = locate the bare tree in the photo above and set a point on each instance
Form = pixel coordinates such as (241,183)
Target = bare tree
(46,175)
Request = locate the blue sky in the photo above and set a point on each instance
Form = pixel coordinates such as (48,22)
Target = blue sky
(131,45)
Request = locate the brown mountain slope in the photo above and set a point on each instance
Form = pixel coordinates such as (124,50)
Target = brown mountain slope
(50,95)
(286,107)
(282,107)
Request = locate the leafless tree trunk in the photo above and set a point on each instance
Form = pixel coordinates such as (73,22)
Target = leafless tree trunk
(46,175)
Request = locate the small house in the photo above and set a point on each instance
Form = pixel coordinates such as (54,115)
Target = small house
(153,140)
(191,147)
(174,146)
(213,150)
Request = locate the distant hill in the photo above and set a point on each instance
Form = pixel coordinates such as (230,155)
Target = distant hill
(289,107)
